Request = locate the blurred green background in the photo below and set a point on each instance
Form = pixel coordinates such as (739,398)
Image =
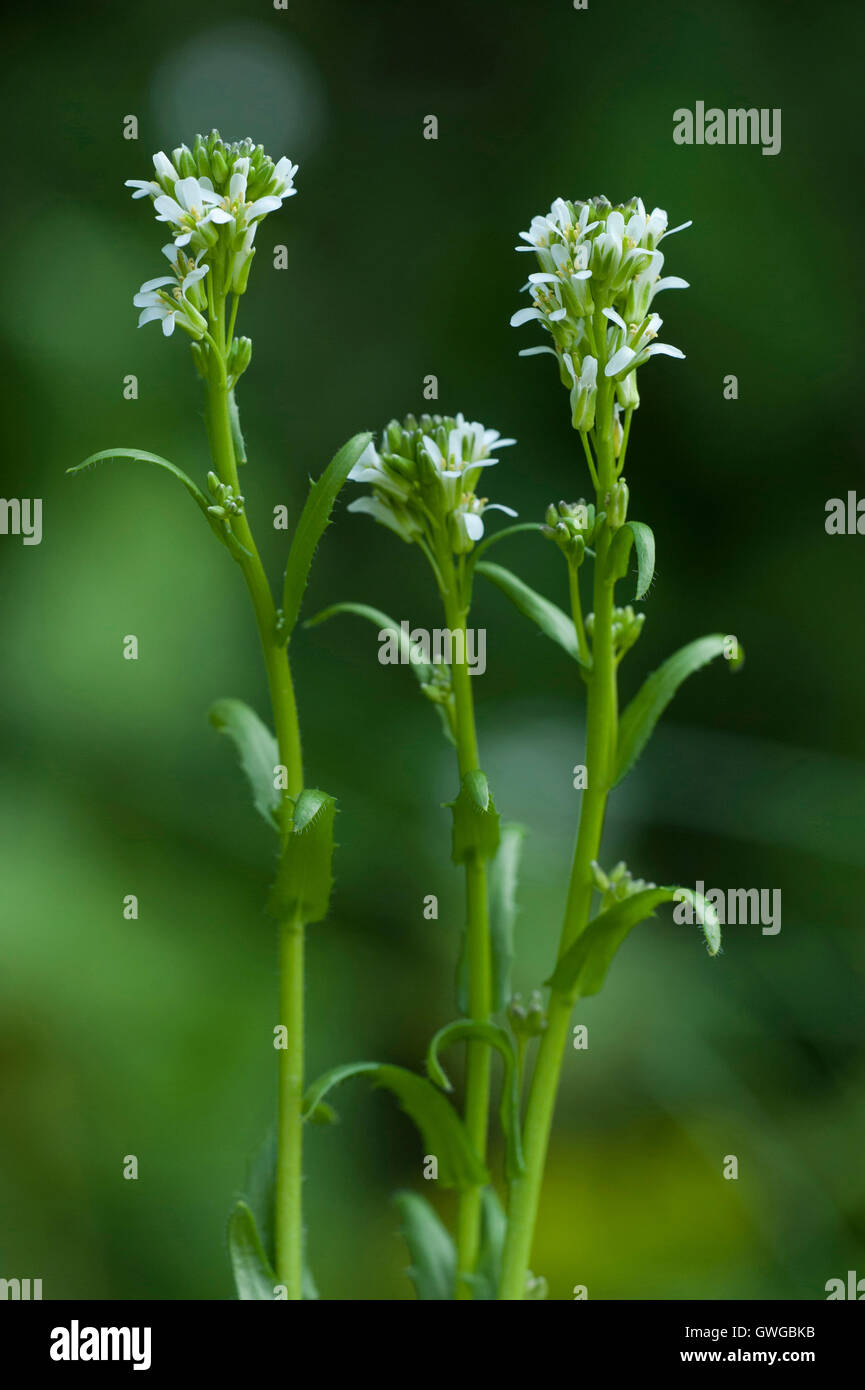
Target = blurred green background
(154,1037)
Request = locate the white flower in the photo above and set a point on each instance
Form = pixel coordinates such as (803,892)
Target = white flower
(584,391)
(192,208)
(466,521)
(592,257)
(424,479)
(173,306)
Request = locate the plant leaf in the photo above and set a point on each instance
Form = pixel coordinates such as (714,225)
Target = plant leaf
(258,750)
(442,700)
(647,706)
(443,1132)
(583,968)
(222,531)
(253,1275)
(304,876)
(260,1201)
(237,438)
(494,1227)
(474,1030)
(475,820)
(644,544)
(433,1254)
(552,622)
(380,620)
(502,881)
(485,544)
(501,888)
(310,528)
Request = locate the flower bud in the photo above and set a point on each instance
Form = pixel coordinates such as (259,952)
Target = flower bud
(199,356)
(626,392)
(187,165)
(241,273)
(239,357)
(617,512)
(219,167)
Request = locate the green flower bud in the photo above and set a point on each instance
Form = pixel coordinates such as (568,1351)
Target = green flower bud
(187,166)
(200,358)
(219,167)
(239,357)
(617,511)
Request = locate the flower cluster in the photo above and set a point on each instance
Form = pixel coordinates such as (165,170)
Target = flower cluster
(600,270)
(617,885)
(424,477)
(213,198)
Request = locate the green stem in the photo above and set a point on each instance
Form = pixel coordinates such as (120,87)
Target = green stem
(601,722)
(288,1217)
(478,958)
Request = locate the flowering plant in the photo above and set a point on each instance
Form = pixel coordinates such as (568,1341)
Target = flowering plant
(599,273)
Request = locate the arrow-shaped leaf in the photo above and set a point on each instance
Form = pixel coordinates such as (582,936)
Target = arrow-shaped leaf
(475,820)
(551,621)
(310,528)
(382,623)
(220,529)
(443,1132)
(473,1030)
(433,1254)
(258,750)
(253,1274)
(644,711)
(583,968)
(304,876)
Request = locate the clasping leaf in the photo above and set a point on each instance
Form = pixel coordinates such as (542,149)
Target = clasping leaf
(310,528)
(581,971)
(304,877)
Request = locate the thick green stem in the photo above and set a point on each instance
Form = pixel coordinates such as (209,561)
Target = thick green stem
(601,723)
(479,967)
(288,1223)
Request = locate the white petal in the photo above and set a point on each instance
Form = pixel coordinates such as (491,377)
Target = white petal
(148,315)
(262,206)
(168,325)
(168,209)
(681,227)
(434,452)
(524,316)
(615,318)
(164,167)
(188,192)
(474,526)
(619,361)
(665,349)
(671,282)
(219,215)
(500,507)
(156,284)
(533,352)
